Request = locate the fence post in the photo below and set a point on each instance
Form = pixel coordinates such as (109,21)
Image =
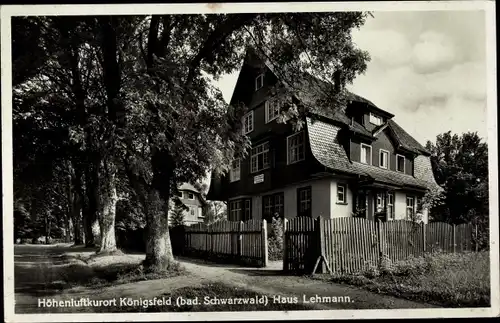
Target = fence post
(240,240)
(265,255)
(379,241)
(454,235)
(285,242)
(423,237)
(210,233)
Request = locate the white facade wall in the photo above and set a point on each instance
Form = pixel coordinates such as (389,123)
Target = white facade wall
(323,195)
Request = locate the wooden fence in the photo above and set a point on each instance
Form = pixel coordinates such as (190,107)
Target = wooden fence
(353,244)
(234,242)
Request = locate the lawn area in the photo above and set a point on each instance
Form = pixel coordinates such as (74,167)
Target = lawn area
(451,280)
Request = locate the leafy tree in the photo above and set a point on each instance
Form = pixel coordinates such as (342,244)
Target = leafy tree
(214,212)
(137,107)
(177,217)
(460,165)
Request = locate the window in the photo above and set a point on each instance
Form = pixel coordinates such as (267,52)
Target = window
(341,193)
(259,82)
(366,154)
(376,120)
(247,212)
(295,145)
(390,206)
(240,210)
(400,163)
(273,204)
(272,110)
(304,201)
(380,207)
(248,122)
(235,173)
(384,159)
(188,196)
(259,159)
(191,210)
(410,207)
(234,210)
(279,204)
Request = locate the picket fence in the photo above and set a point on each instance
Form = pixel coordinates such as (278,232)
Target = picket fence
(351,245)
(229,241)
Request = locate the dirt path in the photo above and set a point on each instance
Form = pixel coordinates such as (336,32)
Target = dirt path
(39,274)
(272,281)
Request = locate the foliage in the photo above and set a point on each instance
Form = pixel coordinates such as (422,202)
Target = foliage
(214,212)
(460,165)
(126,104)
(177,217)
(276,239)
(446,279)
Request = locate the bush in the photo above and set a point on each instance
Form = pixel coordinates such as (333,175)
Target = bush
(275,239)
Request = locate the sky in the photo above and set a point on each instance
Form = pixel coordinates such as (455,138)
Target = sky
(428,68)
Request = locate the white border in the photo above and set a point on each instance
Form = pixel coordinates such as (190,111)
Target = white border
(27,10)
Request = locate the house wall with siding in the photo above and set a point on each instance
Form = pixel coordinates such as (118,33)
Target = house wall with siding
(321,198)
(383,142)
(339,210)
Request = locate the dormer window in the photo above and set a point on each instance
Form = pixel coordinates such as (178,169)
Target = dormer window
(400,163)
(366,154)
(376,120)
(259,82)
(383,159)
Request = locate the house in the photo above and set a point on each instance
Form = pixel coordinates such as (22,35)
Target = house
(194,201)
(355,161)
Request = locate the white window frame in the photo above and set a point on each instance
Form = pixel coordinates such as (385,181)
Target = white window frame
(390,215)
(397,163)
(273,106)
(342,186)
(248,127)
(235,172)
(261,78)
(408,207)
(373,117)
(255,156)
(379,207)
(297,147)
(361,154)
(382,151)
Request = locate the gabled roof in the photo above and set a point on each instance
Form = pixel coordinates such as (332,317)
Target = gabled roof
(405,140)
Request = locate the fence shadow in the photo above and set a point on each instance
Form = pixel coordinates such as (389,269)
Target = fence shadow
(264,272)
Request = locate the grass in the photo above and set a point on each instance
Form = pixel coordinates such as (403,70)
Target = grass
(105,270)
(210,291)
(446,279)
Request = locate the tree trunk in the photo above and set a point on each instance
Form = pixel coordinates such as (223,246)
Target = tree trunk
(159,256)
(107,216)
(90,216)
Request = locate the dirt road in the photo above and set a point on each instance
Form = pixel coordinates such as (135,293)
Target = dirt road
(39,273)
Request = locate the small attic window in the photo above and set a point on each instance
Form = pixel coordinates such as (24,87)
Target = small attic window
(376,120)
(259,82)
